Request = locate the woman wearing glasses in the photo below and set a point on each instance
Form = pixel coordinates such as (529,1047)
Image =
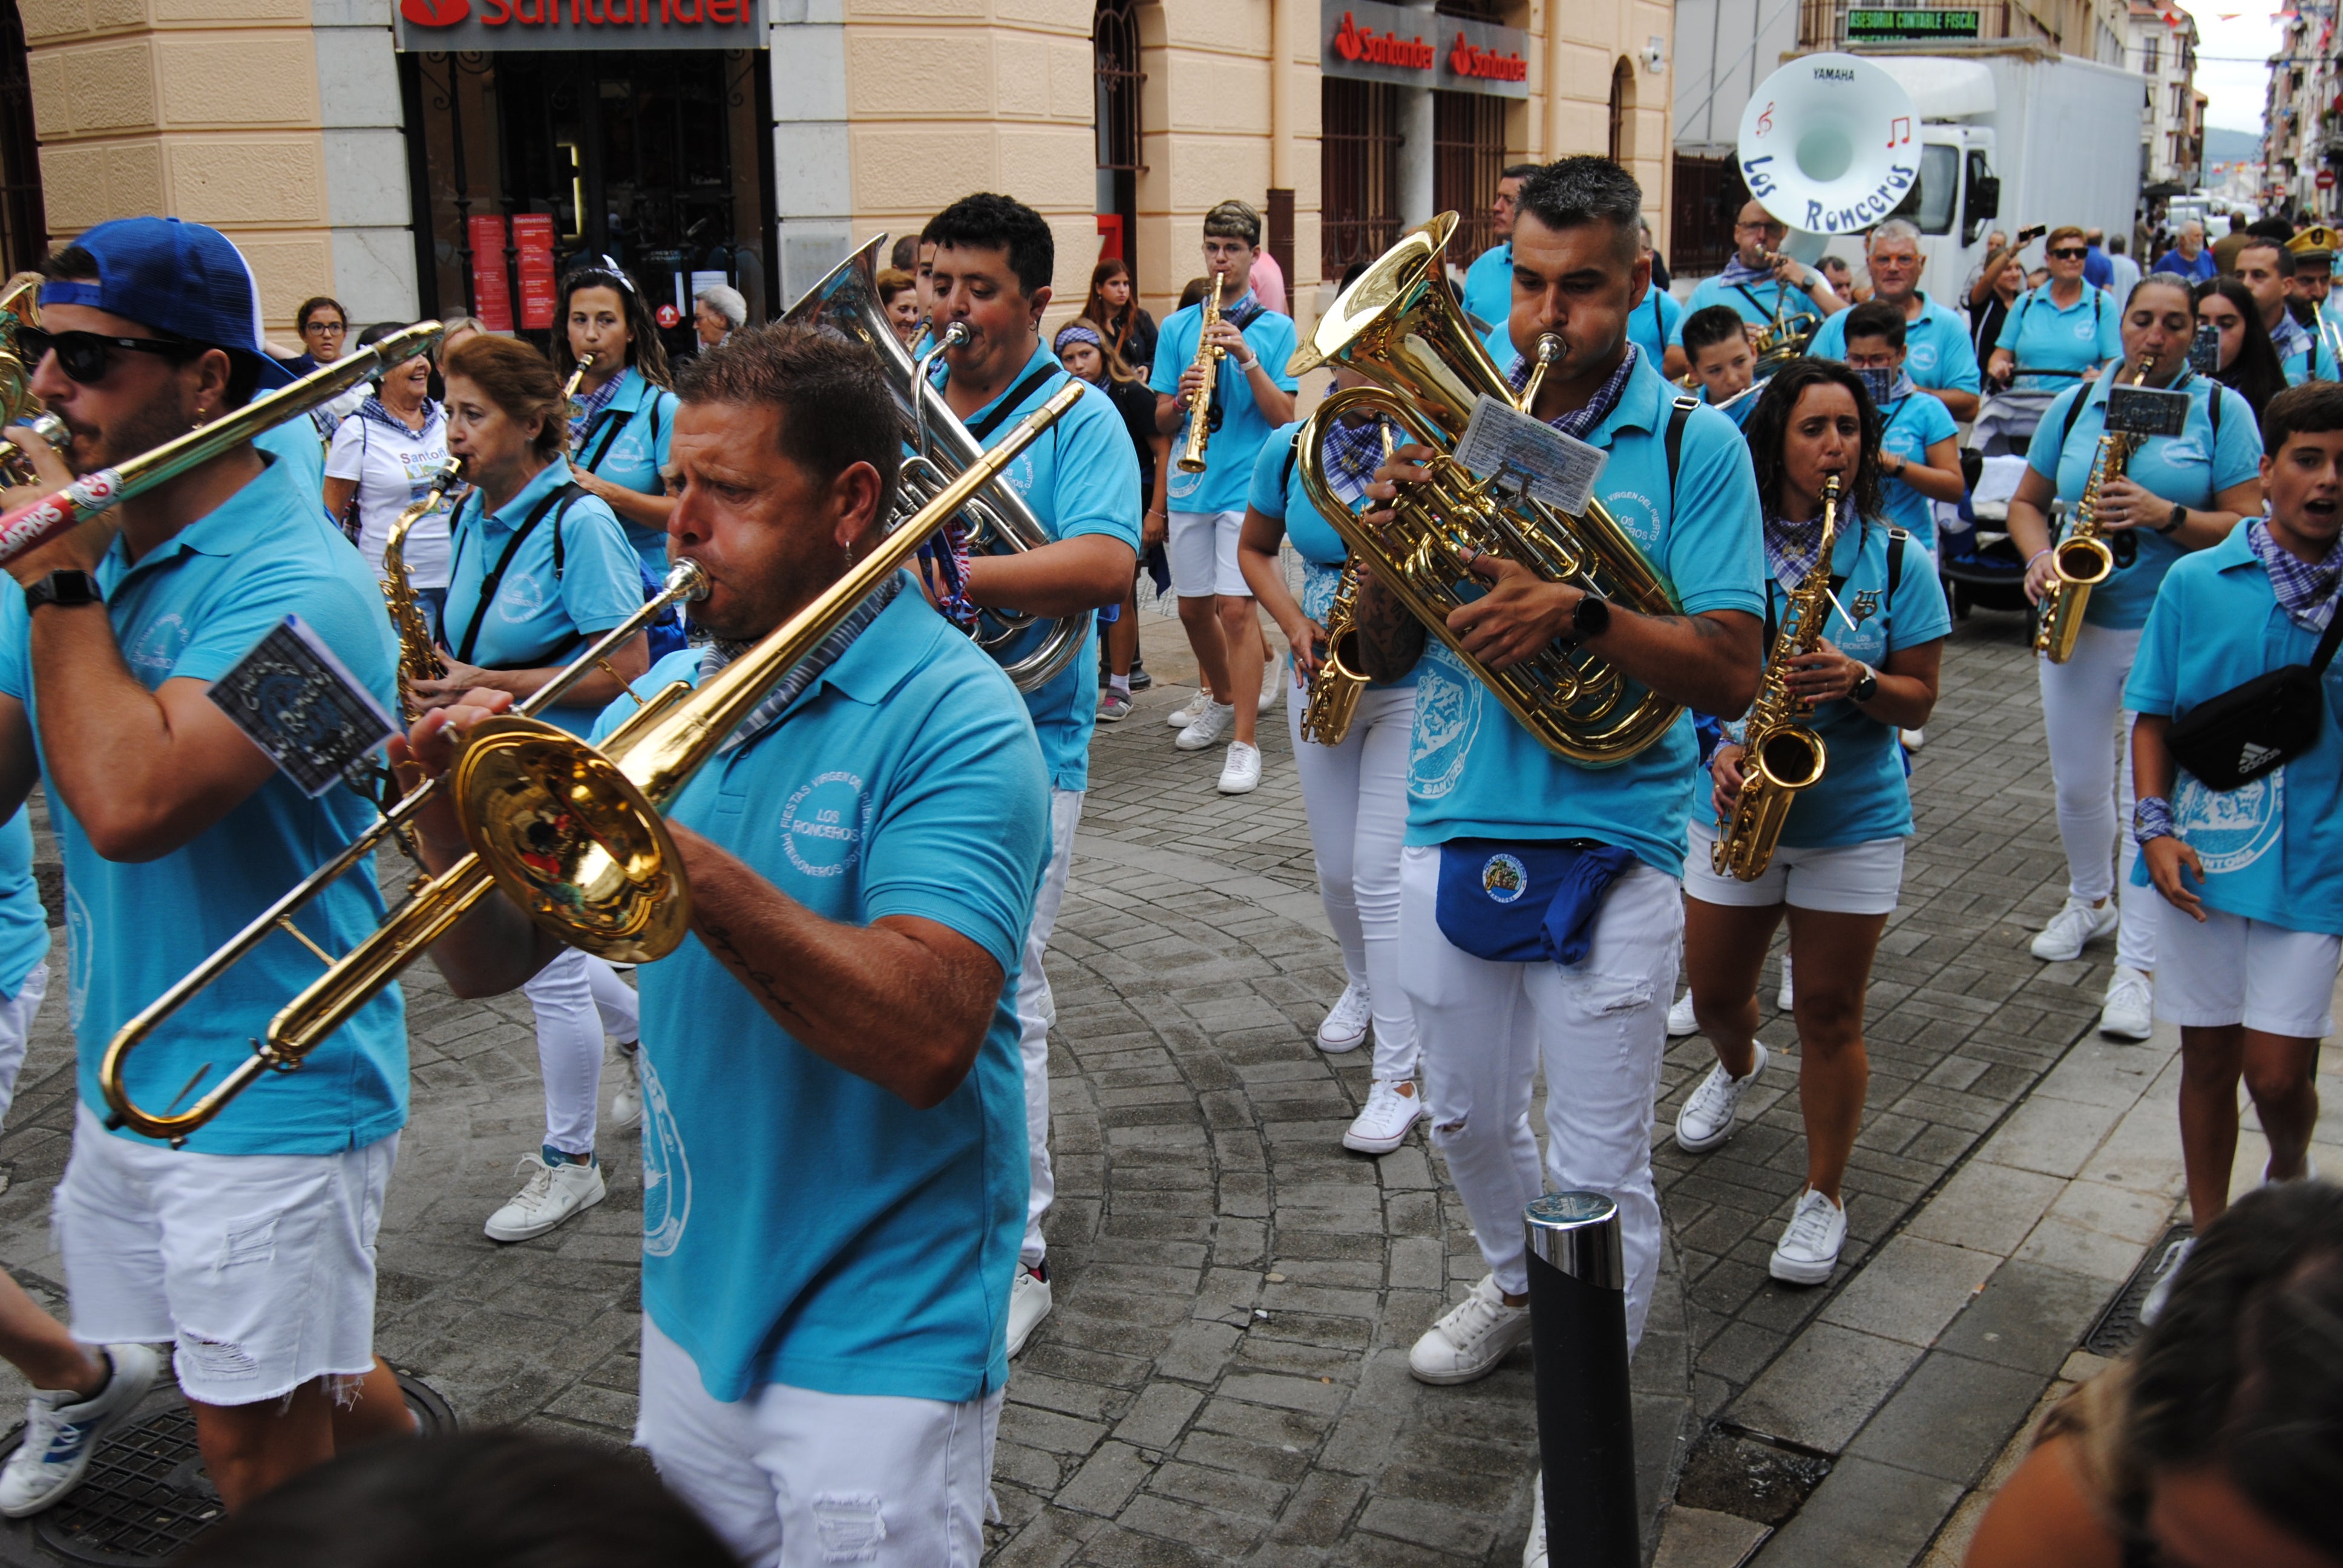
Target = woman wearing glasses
(623,416)
(2180,493)
(2061,331)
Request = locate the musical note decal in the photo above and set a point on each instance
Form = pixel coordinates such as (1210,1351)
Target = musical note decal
(1766,120)
(1904,124)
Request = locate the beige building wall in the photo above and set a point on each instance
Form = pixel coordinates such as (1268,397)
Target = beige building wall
(1579,46)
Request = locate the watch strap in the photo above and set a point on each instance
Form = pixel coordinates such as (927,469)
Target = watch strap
(70,586)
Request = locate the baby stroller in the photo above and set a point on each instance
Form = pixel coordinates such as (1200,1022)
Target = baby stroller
(1975,560)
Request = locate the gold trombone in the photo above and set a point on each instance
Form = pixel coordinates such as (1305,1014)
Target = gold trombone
(572,833)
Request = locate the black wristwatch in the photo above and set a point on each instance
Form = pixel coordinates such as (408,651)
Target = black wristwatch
(1590,617)
(2172,524)
(66,587)
(1864,689)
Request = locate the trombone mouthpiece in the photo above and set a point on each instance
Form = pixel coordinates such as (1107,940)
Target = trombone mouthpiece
(687,580)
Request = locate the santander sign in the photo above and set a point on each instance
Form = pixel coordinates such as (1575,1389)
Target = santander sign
(1365,47)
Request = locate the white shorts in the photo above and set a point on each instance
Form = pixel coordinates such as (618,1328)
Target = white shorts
(794,1479)
(2232,970)
(1841,880)
(1202,549)
(258,1268)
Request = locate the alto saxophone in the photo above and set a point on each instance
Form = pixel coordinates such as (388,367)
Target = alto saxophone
(418,656)
(1335,686)
(2083,560)
(1783,756)
(1200,402)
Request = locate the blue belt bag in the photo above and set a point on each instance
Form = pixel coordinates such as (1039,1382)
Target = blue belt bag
(1515,903)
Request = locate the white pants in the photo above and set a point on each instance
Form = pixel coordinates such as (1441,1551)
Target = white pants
(16,1015)
(2089,734)
(578,999)
(1356,797)
(1036,1012)
(793,1479)
(1598,1027)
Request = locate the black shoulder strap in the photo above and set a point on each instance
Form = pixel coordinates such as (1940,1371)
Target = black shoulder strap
(1293,451)
(1677,414)
(1009,404)
(2329,641)
(494,581)
(2213,416)
(608,429)
(2074,412)
(1895,539)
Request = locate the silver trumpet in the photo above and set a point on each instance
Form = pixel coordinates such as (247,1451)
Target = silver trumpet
(997,519)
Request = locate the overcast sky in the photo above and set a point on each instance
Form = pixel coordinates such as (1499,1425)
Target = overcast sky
(2235,38)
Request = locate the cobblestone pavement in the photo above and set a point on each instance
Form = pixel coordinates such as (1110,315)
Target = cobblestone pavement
(1224,1377)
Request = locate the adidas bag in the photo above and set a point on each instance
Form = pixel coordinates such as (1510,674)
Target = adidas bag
(2251,730)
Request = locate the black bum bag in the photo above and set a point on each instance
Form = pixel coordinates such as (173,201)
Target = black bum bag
(2253,728)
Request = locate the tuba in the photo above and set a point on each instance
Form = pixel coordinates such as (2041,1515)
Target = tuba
(998,520)
(2083,560)
(1399,327)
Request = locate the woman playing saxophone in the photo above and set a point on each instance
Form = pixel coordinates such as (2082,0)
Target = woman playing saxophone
(1866,664)
(2177,494)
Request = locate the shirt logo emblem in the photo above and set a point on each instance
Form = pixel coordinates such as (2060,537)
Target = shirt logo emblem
(823,824)
(1447,717)
(159,644)
(519,598)
(1504,878)
(667,1169)
(2230,829)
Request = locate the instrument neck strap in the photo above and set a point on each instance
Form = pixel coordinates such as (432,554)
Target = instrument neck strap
(558,498)
(1012,399)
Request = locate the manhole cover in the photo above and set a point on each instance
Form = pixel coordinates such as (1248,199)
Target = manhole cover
(147,1495)
(2118,1327)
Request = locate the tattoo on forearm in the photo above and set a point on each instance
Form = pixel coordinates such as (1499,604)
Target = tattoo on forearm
(1390,640)
(719,941)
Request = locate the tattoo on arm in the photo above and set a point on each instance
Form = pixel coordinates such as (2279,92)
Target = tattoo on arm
(1390,640)
(758,981)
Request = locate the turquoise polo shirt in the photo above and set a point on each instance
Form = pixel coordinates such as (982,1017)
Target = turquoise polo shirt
(24,923)
(628,445)
(1752,302)
(1475,772)
(1911,424)
(2312,360)
(1081,477)
(2273,849)
(1862,795)
(1488,284)
(1278,492)
(1936,349)
(540,617)
(295,441)
(801,1225)
(2189,470)
(2045,338)
(1229,456)
(189,609)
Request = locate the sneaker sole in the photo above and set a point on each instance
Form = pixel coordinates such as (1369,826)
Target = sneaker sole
(1800,1274)
(1106,718)
(536,1231)
(1452,1380)
(1352,1142)
(625,1124)
(1337,1047)
(1702,1146)
(1239,789)
(2125,1032)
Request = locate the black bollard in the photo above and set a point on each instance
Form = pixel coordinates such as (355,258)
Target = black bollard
(1586,1426)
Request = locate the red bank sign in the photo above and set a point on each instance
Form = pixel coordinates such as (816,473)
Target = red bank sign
(1372,42)
(471,25)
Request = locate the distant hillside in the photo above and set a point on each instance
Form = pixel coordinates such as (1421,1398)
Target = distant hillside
(2229,147)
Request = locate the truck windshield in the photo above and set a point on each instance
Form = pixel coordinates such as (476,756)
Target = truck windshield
(1930,204)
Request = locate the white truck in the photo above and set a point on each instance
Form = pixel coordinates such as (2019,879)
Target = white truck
(2013,134)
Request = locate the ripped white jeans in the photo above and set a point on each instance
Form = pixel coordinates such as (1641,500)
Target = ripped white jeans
(1598,1027)
(791,1478)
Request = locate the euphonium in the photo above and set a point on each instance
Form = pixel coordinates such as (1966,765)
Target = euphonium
(1200,402)
(1785,338)
(572,832)
(2083,560)
(997,519)
(418,656)
(1399,326)
(1783,756)
(1335,684)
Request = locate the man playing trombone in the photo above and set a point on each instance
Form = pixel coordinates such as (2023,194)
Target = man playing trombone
(833,1120)
(1760,284)
(252,1249)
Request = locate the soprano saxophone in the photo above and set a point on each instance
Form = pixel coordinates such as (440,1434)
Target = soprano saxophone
(569,409)
(2083,560)
(1783,756)
(418,656)
(1200,402)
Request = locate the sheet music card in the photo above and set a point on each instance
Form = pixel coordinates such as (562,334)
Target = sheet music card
(1530,454)
(2147,411)
(302,706)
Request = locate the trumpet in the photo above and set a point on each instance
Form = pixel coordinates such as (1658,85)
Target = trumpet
(1200,402)
(2084,559)
(572,833)
(418,656)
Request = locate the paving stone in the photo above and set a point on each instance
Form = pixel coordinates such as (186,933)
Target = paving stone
(2029,1316)
(1910,1289)
(1950,1417)
(1824,1387)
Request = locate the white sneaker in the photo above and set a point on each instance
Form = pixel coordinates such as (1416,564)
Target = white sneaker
(1210,729)
(1809,1248)
(61,1432)
(1707,1119)
(1534,1554)
(2130,1009)
(1382,1125)
(1346,1022)
(2151,1306)
(1784,997)
(627,1103)
(552,1194)
(1029,1303)
(1240,774)
(1914,738)
(1192,710)
(1681,1021)
(1472,1340)
(2072,928)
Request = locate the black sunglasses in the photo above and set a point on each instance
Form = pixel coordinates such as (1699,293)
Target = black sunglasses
(83,355)
(2069,253)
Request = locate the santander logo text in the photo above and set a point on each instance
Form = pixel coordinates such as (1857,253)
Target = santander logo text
(1364,46)
(435,13)
(1468,59)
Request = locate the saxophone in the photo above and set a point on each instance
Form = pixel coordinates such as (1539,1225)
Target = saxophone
(2083,560)
(1783,756)
(569,409)
(1335,687)
(1200,402)
(418,657)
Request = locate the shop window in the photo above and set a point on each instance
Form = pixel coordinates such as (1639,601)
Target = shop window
(24,221)
(1468,139)
(1116,76)
(1709,194)
(1359,164)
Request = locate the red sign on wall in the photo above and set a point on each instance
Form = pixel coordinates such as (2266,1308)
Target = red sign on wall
(491,282)
(533,239)
(470,24)
(1372,41)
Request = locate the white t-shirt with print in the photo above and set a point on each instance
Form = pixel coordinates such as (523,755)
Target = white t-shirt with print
(393,467)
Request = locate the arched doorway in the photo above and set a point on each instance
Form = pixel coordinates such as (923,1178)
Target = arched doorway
(1114,65)
(1623,111)
(23,220)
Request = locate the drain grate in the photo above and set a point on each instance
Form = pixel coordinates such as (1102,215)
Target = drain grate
(2118,1327)
(147,1495)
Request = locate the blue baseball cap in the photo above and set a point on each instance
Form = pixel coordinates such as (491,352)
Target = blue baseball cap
(176,276)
